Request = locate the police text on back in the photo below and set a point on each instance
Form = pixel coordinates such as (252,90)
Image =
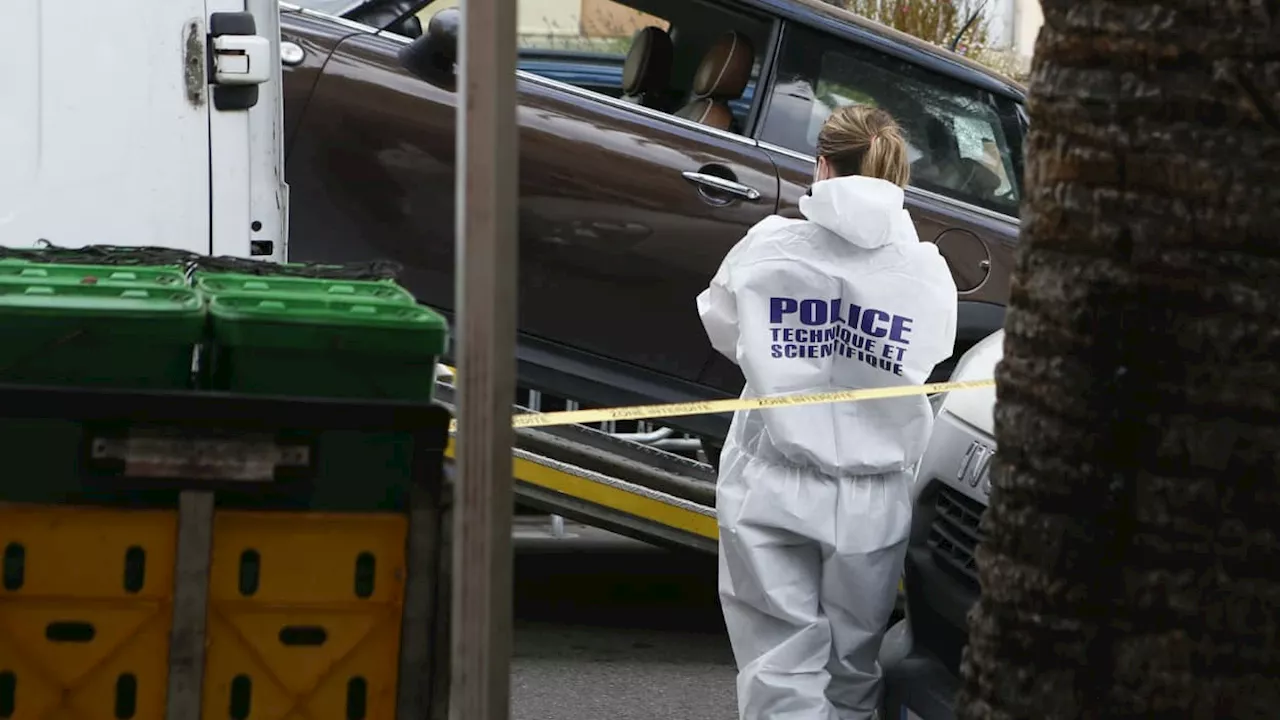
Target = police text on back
(814,328)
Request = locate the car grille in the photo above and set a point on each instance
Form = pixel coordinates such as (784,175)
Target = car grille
(954,536)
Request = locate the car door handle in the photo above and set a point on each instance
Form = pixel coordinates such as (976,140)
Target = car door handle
(725,186)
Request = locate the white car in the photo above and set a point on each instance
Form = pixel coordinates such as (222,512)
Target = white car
(921,654)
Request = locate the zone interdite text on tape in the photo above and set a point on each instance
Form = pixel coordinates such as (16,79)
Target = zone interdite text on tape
(712,407)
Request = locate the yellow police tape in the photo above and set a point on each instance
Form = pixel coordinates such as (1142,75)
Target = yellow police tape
(712,407)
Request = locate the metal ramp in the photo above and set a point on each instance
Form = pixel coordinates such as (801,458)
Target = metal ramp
(610,482)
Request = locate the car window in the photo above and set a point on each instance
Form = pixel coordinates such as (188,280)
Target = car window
(588,27)
(597,72)
(329,7)
(585,43)
(958,136)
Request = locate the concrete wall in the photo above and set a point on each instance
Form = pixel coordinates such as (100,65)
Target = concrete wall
(576,18)
(1028,17)
(549,17)
(605,18)
(1013,24)
(999,15)
(533,17)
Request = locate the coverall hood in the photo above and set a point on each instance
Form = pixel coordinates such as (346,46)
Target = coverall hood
(867,212)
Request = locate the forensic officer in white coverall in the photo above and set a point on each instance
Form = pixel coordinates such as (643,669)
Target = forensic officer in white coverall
(814,502)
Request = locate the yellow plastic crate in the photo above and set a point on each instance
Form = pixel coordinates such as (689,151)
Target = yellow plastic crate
(304,615)
(85,607)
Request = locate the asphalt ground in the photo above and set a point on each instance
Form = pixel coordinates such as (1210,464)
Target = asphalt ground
(607,628)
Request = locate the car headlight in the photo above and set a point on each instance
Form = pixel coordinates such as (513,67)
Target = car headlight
(976,407)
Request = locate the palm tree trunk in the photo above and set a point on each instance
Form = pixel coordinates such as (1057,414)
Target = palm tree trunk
(1132,561)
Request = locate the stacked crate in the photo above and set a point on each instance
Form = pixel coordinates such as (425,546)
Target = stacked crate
(311,589)
(100,326)
(140,327)
(320,338)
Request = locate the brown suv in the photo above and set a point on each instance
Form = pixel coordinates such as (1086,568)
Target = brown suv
(639,168)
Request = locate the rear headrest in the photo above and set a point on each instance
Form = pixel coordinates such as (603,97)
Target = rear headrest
(726,68)
(982,179)
(648,65)
(941,140)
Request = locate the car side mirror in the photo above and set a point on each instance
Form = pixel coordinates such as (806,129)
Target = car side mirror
(410,27)
(393,16)
(433,55)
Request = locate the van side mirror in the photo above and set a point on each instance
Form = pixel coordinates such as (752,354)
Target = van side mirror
(432,55)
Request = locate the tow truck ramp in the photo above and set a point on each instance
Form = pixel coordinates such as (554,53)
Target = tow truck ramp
(609,482)
(612,482)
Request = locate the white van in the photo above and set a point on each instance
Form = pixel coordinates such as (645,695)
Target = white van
(143,123)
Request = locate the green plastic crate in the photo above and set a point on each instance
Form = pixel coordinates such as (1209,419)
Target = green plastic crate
(114,275)
(320,347)
(282,285)
(98,335)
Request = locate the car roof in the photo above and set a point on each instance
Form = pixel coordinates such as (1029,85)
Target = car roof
(818,13)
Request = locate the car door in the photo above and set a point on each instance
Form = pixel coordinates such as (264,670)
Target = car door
(371,168)
(963,142)
(621,224)
(616,240)
(306,40)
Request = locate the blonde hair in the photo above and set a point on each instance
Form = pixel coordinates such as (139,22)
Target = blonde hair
(863,140)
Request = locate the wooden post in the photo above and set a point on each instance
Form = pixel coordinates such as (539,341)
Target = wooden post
(418,657)
(486,306)
(190,604)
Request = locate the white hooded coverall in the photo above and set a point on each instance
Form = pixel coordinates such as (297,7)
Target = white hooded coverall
(814,502)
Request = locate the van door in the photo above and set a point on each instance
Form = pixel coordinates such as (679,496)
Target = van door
(110,133)
(249,198)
